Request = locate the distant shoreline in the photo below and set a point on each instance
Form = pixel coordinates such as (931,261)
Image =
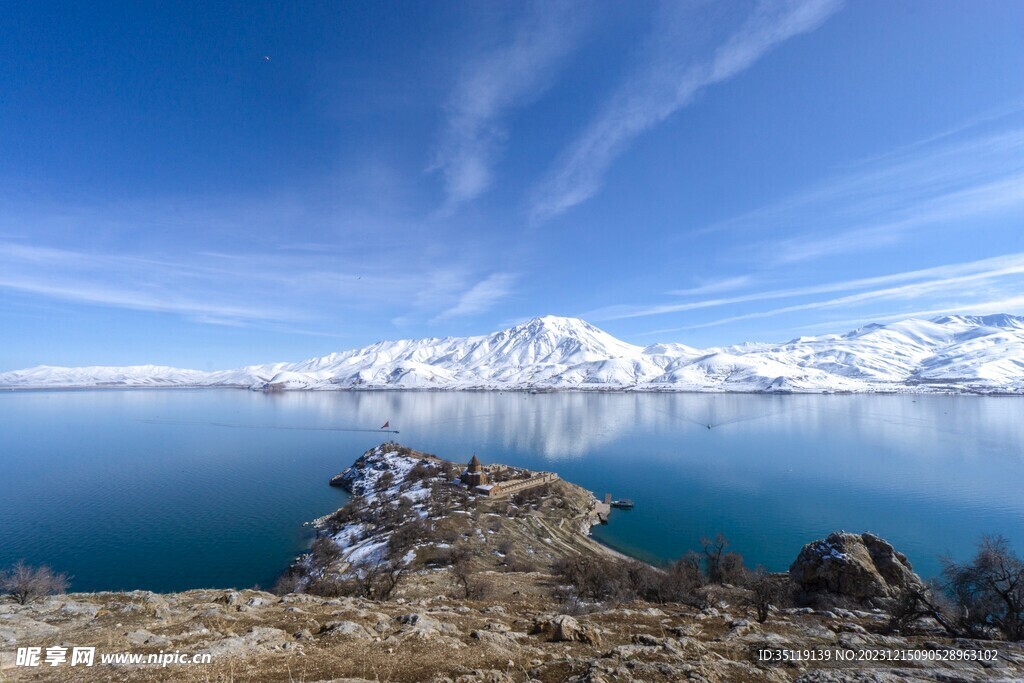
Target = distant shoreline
(901,391)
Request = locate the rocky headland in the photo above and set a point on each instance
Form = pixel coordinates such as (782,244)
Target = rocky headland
(420,578)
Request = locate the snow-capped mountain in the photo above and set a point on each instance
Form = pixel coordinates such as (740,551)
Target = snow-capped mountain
(952,353)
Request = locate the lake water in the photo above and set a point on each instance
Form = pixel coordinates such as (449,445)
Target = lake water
(176,489)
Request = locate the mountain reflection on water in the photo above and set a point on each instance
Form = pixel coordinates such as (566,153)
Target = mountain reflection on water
(176,489)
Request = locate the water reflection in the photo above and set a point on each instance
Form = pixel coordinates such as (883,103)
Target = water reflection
(130,489)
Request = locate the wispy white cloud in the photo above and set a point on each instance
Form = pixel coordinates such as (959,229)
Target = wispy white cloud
(96,293)
(982,269)
(891,198)
(1013,304)
(715,286)
(509,76)
(995,114)
(972,290)
(668,82)
(268,290)
(991,198)
(316,260)
(480,297)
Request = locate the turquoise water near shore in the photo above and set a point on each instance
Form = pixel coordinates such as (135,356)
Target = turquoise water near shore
(177,489)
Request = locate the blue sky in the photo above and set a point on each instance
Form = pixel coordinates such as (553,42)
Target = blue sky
(212,184)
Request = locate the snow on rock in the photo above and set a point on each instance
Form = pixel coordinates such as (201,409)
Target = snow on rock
(383,478)
(862,567)
(951,353)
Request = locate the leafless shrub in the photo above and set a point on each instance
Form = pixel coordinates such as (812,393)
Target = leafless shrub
(732,570)
(289,582)
(521,566)
(595,578)
(478,589)
(385,580)
(422,471)
(713,550)
(720,566)
(355,510)
(988,591)
(531,497)
(765,591)
(333,586)
(461,558)
(408,535)
(323,552)
(906,608)
(25,583)
(384,481)
(442,500)
(686,574)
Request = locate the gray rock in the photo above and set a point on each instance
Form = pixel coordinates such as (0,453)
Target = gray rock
(20,629)
(80,608)
(259,638)
(646,639)
(422,626)
(144,637)
(346,628)
(861,567)
(563,628)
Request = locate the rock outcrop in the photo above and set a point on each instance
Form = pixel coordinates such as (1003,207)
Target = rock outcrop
(513,636)
(562,628)
(858,567)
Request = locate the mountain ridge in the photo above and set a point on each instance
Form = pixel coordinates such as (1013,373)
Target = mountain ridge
(947,353)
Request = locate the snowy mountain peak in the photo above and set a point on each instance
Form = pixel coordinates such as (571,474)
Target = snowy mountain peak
(568,337)
(950,353)
(553,325)
(996,320)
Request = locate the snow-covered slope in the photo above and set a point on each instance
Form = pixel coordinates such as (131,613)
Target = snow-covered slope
(953,353)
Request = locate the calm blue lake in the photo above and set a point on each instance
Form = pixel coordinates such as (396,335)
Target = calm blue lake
(177,489)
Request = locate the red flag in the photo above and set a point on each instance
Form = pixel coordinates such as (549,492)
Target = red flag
(386,424)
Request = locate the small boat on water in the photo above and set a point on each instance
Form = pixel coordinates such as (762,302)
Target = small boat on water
(623,504)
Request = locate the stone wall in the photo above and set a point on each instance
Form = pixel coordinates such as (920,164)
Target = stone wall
(507,488)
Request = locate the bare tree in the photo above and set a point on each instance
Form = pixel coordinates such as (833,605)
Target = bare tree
(686,574)
(731,569)
(713,550)
(26,583)
(289,582)
(906,608)
(989,590)
(389,580)
(461,559)
(765,591)
(324,551)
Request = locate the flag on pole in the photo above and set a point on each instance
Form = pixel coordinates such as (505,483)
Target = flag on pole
(386,424)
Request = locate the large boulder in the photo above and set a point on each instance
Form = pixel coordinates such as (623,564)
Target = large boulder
(859,567)
(564,629)
(258,638)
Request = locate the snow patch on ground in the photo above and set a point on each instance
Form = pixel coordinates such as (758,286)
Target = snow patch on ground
(380,478)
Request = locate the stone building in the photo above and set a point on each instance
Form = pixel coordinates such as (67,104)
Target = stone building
(474,475)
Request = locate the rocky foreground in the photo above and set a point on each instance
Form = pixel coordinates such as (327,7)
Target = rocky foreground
(417,585)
